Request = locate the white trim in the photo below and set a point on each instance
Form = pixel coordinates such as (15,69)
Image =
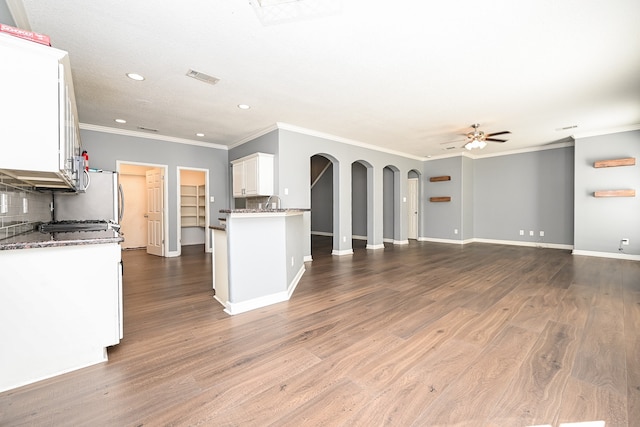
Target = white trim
(606,255)
(255,303)
(342,252)
(528,244)
(165,197)
(253,136)
(294,282)
(208,246)
(451,241)
(252,304)
(357,237)
(380,246)
(606,131)
(263,213)
(387,240)
(311,132)
(401,242)
(504,153)
(19,15)
(308,258)
(145,135)
(322,233)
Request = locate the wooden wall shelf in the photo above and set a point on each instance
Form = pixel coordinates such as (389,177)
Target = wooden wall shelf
(615,193)
(440,178)
(440,199)
(629,161)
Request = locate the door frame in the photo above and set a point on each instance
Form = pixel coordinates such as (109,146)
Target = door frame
(414,196)
(165,193)
(207,232)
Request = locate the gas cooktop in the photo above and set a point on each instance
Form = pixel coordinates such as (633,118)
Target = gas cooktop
(67,226)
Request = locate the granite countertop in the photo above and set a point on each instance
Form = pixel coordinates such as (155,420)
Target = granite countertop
(283,210)
(218,227)
(37,239)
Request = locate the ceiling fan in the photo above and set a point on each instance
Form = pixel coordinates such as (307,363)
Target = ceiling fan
(478,139)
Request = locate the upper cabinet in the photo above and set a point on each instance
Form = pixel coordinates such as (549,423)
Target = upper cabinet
(253,175)
(40,130)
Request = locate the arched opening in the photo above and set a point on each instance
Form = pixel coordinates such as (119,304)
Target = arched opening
(359,204)
(413,204)
(390,199)
(322,202)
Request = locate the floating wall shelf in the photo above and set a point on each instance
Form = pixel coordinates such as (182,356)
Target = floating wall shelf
(440,178)
(615,193)
(629,161)
(440,199)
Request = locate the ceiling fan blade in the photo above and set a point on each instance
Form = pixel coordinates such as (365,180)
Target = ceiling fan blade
(498,133)
(495,140)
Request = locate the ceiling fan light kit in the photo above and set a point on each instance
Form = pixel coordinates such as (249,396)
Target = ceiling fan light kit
(477,138)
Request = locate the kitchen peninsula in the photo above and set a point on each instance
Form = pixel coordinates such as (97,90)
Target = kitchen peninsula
(258,257)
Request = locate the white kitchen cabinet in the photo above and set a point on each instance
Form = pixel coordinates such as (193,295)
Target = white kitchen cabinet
(253,175)
(39,115)
(61,307)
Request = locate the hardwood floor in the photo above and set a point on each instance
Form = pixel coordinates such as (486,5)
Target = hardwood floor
(420,335)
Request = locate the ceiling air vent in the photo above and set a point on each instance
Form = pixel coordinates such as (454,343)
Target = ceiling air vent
(202,77)
(147,129)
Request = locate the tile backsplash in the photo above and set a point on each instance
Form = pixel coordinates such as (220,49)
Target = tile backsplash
(21,208)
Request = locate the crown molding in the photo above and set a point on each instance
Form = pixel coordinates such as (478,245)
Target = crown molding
(125,132)
(254,135)
(606,131)
(323,135)
(505,153)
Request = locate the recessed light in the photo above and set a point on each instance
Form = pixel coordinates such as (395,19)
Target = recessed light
(200,134)
(243,106)
(135,76)
(120,121)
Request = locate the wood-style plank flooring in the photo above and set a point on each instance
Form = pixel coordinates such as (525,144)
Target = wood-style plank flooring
(425,334)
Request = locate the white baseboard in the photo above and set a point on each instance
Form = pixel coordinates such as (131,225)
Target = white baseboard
(401,242)
(607,255)
(172,254)
(380,246)
(321,233)
(528,244)
(434,240)
(308,258)
(357,237)
(255,303)
(499,242)
(342,252)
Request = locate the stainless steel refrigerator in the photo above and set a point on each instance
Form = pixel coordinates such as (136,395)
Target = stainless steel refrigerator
(103,200)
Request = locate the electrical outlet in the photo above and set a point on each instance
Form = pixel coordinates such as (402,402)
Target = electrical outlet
(25,205)
(542,234)
(522,232)
(530,232)
(455,231)
(625,241)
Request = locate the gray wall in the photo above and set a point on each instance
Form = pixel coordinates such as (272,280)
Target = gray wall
(296,149)
(467,230)
(322,203)
(529,191)
(105,149)
(388,200)
(600,223)
(5,15)
(440,219)
(358,199)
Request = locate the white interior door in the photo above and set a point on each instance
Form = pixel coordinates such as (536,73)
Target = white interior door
(412,229)
(155,208)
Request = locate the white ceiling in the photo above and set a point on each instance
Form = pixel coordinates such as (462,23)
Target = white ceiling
(405,75)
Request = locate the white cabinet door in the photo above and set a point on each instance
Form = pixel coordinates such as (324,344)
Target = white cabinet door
(238,179)
(253,175)
(251,184)
(38,113)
